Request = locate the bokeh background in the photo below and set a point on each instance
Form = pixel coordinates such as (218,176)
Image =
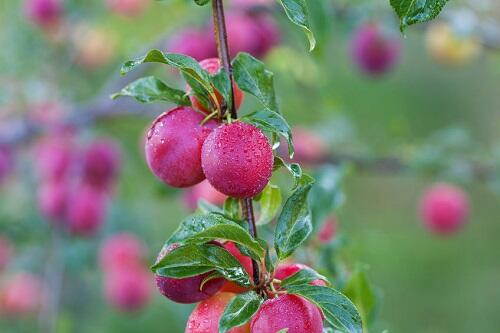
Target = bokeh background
(435,115)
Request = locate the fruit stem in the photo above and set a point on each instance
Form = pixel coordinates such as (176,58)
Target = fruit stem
(250,217)
(223,48)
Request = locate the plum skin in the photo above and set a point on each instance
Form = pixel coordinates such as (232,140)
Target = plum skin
(444,208)
(206,315)
(212,66)
(237,160)
(287,311)
(173,146)
(186,290)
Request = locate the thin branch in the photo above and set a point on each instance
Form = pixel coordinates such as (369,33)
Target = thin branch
(250,217)
(223,46)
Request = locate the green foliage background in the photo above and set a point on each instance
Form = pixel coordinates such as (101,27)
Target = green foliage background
(430,284)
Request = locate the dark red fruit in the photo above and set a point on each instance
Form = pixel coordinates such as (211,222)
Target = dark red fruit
(186,290)
(245,261)
(287,311)
(45,13)
(101,163)
(374,52)
(173,146)
(237,160)
(288,269)
(206,315)
(212,66)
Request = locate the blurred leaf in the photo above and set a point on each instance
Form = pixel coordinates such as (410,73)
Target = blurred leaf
(294,222)
(416,11)
(232,208)
(199,229)
(339,311)
(191,260)
(270,202)
(252,77)
(201,2)
(327,194)
(273,122)
(150,89)
(298,13)
(206,207)
(240,310)
(360,291)
(304,276)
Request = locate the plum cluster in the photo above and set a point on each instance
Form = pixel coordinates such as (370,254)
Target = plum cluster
(215,294)
(76,182)
(183,148)
(127,284)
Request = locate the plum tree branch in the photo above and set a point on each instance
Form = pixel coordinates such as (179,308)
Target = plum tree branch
(220,31)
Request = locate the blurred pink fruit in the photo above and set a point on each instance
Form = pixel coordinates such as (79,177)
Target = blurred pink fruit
(327,231)
(21,294)
(54,157)
(127,7)
(196,43)
(44,13)
(6,163)
(374,52)
(444,208)
(128,289)
(53,200)
(101,163)
(86,210)
(203,191)
(120,251)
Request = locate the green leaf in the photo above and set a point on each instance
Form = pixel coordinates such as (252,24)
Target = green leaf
(150,89)
(339,311)
(416,11)
(327,194)
(272,122)
(252,77)
(191,260)
(285,330)
(298,13)
(240,310)
(201,2)
(294,223)
(199,229)
(222,84)
(270,202)
(362,293)
(197,78)
(293,168)
(304,276)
